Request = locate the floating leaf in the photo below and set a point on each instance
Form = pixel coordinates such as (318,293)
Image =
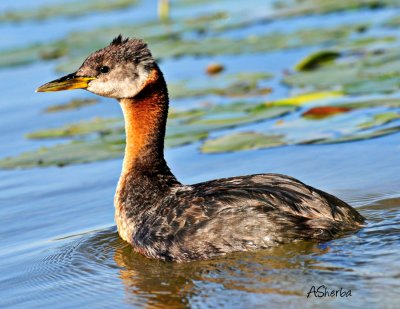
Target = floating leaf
(69,9)
(250,113)
(65,154)
(71,105)
(171,46)
(242,141)
(103,126)
(185,114)
(316,59)
(214,68)
(360,73)
(380,119)
(308,98)
(240,84)
(366,43)
(393,21)
(380,102)
(327,6)
(167,41)
(172,141)
(357,136)
(373,85)
(321,112)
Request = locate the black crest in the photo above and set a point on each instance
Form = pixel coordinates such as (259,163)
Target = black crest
(119,40)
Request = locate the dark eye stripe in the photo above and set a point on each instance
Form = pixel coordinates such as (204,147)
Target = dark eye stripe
(104,69)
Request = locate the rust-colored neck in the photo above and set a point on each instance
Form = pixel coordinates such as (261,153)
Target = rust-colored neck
(145,121)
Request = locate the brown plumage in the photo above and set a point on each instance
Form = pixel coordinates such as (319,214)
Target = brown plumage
(164,219)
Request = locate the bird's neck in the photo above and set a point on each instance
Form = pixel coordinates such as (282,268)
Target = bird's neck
(145,177)
(145,123)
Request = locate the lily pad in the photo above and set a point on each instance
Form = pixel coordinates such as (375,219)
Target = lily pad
(183,127)
(308,98)
(240,84)
(71,105)
(65,154)
(328,6)
(69,9)
(103,126)
(358,136)
(380,102)
(231,118)
(172,141)
(168,41)
(317,59)
(360,73)
(380,119)
(242,141)
(172,46)
(321,112)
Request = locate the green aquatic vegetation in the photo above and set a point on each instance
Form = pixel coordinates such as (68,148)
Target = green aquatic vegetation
(73,152)
(21,56)
(184,139)
(71,105)
(367,43)
(185,114)
(102,126)
(167,41)
(207,18)
(196,125)
(226,119)
(374,85)
(308,98)
(380,119)
(380,102)
(345,127)
(183,127)
(351,63)
(305,7)
(252,44)
(239,84)
(69,9)
(361,73)
(357,136)
(317,59)
(242,141)
(195,122)
(393,22)
(288,9)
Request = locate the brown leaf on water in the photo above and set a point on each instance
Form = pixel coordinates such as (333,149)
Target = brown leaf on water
(214,68)
(321,112)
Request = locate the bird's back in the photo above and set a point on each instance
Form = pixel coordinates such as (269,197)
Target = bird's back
(241,214)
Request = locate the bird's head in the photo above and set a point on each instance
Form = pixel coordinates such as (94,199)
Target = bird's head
(119,70)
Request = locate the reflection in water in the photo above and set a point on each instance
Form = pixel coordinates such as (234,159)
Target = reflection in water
(179,285)
(99,269)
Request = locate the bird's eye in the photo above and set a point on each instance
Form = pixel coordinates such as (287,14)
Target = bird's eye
(104,69)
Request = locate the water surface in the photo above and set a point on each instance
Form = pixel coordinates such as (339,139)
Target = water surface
(59,245)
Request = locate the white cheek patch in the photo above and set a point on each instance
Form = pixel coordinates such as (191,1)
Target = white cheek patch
(122,82)
(106,89)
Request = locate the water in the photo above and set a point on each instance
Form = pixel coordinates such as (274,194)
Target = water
(59,246)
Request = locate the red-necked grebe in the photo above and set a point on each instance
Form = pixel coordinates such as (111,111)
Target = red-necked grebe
(164,219)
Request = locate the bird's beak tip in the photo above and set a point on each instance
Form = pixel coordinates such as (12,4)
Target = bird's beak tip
(68,82)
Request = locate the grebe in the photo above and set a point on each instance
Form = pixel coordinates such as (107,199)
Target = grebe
(164,219)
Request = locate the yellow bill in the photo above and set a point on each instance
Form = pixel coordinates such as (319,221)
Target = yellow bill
(67,82)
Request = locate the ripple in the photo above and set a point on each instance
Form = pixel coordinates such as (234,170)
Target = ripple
(71,272)
(99,268)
